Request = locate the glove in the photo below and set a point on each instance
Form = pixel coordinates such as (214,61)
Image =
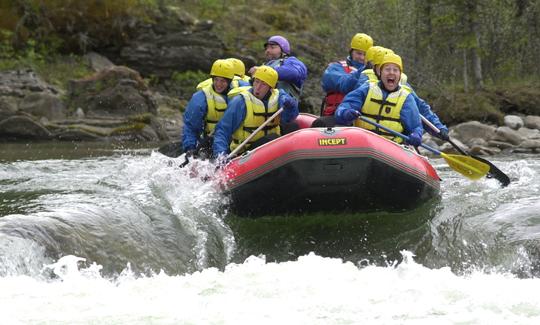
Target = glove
(415,139)
(190,153)
(443,134)
(289,103)
(350,114)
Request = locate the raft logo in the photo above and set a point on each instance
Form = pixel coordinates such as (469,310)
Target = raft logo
(332,142)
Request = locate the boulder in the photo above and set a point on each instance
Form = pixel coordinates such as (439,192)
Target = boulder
(482,150)
(513,121)
(527,133)
(500,144)
(8,107)
(43,104)
(21,82)
(474,129)
(116,91)
(23,127)
(506,134)
(97,62)
(530,144)
(532,122)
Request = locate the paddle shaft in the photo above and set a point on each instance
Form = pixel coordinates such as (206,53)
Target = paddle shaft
(257,130)
(397,134)
(436,129)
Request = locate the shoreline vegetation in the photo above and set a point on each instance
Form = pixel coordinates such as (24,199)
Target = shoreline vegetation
(53,59)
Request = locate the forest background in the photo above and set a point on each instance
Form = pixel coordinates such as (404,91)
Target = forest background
(470,59)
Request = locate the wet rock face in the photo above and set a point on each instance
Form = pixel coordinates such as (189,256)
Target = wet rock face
(159,55)
(18,83)
(177,43)
(113,104)
(116,91)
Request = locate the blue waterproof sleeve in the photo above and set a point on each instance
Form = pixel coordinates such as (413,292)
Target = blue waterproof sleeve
(410,117)
(353,100)
(335,79)
(292,70)
(290,114)
(194,119)
(231,120)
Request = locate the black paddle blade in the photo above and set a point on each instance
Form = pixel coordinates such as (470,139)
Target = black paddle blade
(495,172)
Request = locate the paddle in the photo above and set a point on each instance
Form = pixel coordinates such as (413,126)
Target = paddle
(465,165)
(241,145)
(494,172)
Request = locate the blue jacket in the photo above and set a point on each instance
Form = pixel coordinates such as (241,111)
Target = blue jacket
(290,70)
(409,115)
(194,120)
(235,115)
(425,111)
(335,79)
(423,108)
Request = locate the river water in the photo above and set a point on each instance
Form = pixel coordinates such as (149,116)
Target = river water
(95,234)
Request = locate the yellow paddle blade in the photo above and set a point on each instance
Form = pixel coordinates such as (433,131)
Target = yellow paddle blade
(467,166)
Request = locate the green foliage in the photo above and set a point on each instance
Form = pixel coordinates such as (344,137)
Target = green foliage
(188,79)
(73,25)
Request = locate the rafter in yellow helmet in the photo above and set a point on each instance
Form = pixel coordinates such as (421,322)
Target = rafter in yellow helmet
(267,74)
(361,42)
(379,55)
(222,68)
(392,58)
(239,67)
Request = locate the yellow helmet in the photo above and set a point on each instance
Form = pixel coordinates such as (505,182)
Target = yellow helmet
(371,52)
(361,42)
(239,67)
(379,55)
(267,74)
(222,68)
(392,58)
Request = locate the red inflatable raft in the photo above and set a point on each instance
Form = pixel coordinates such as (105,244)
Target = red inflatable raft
(329,169)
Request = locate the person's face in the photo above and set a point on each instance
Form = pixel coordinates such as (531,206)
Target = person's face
(358,56)
(390,75)
(272,52)
(220,84)
(260,88)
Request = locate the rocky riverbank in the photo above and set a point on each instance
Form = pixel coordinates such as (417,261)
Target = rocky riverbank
(121,100)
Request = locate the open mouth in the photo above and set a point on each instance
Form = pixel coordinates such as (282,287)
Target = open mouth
(391,81)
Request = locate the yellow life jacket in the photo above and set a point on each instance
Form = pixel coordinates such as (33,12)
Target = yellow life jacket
(236,91)
(403,79)
(205,83)
(370,73)
(256,115)
(385,112)
(216,106)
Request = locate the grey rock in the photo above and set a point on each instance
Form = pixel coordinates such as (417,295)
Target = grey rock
(506,134)
(43,104)
(532,122)
(97,61)
(530,144)
(500,144)
(527,133)
(474,129)
(23,127)
(513,121)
